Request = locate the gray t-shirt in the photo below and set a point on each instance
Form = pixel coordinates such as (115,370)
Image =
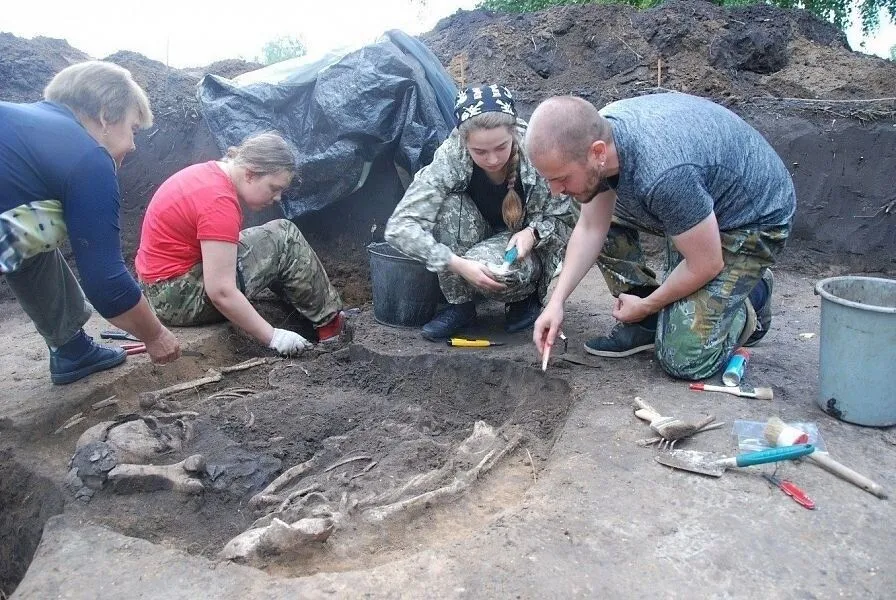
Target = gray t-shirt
(682,156)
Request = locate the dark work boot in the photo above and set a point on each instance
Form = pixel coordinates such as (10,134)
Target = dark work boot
(764,311)
(625,339)
(449,321)
(521,315)
(80,357)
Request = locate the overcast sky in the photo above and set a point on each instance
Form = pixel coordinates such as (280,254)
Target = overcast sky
(187,33)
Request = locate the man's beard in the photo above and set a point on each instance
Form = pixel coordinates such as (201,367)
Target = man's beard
(596,185)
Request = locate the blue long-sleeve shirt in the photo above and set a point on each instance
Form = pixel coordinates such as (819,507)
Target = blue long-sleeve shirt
(55,178)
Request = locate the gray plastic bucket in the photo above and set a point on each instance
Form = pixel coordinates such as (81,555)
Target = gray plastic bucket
(857,362)
(405,294)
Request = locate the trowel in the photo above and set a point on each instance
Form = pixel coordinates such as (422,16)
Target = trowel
(706,464)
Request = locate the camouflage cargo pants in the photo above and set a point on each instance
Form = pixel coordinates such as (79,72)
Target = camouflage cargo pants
(274,255)
(462,228)
(697,334)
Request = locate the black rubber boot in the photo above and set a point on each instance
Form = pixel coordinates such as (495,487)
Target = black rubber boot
(764,312)
(521,315)
(449,321)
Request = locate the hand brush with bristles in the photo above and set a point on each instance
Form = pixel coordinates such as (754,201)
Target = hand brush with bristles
(779,433)
(760,393)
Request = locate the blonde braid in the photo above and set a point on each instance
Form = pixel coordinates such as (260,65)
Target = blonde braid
(512,207)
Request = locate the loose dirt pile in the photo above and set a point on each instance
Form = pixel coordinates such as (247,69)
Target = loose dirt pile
(608,52)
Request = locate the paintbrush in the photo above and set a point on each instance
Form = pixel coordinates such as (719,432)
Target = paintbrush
(760,393)
(669,428)
(779,433)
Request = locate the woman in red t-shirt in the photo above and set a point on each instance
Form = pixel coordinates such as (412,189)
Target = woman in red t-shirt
(197,267)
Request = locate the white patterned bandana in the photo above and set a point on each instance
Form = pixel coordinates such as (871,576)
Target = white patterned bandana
(477,100)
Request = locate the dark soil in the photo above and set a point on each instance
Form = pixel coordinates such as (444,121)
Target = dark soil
(409,413)
(606,52)
(27,500)
(27,66)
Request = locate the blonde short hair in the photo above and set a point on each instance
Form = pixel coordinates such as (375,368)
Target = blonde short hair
(101,91)
(263,153)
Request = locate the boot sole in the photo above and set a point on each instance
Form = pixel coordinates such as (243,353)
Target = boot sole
(619,354)
(73,376)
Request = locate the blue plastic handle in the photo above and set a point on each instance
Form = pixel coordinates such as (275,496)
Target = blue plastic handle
(774,455)
(511,255)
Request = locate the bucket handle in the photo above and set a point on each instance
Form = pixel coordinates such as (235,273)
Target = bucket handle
(826,295)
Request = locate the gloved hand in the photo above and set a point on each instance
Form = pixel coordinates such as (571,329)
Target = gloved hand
(288,343)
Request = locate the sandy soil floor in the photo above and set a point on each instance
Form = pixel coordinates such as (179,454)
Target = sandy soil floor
(577,509)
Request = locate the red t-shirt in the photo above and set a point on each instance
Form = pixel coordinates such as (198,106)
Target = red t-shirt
(196,203)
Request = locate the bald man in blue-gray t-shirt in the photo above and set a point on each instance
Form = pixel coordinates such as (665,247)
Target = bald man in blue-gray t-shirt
(690,170)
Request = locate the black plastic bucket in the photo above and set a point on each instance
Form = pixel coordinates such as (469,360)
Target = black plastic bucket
(405,294)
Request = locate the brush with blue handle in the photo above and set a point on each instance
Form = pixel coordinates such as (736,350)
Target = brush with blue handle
(509,257)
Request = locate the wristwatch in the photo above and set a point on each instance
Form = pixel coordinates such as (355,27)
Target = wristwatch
(535,233)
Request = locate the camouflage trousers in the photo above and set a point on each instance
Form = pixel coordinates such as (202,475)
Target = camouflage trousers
(697,334)
(274,255)
(462,228)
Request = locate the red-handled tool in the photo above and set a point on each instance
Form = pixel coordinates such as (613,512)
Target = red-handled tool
(789,488)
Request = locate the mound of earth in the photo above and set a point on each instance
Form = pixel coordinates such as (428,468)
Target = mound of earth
(606,52)
(26,66)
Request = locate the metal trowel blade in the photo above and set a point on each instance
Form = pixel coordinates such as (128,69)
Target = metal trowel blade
(691,460)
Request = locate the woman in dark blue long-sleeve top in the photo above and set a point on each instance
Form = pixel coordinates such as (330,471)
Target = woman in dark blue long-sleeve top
(58,162)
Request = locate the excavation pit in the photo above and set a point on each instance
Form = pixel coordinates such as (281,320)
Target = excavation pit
(383,456)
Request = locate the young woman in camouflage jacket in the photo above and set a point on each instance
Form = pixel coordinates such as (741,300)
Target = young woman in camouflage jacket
(479,198)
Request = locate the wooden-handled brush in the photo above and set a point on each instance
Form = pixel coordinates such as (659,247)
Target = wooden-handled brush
(777,432)
(760,393)
(669,428)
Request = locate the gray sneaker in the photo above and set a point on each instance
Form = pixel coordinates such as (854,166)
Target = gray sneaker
(625,339)
(764,312)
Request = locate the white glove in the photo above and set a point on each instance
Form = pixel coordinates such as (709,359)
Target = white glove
(288,342)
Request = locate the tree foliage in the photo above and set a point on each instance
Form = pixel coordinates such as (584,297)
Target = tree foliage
(282,48)
(892,52)
(838,12)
